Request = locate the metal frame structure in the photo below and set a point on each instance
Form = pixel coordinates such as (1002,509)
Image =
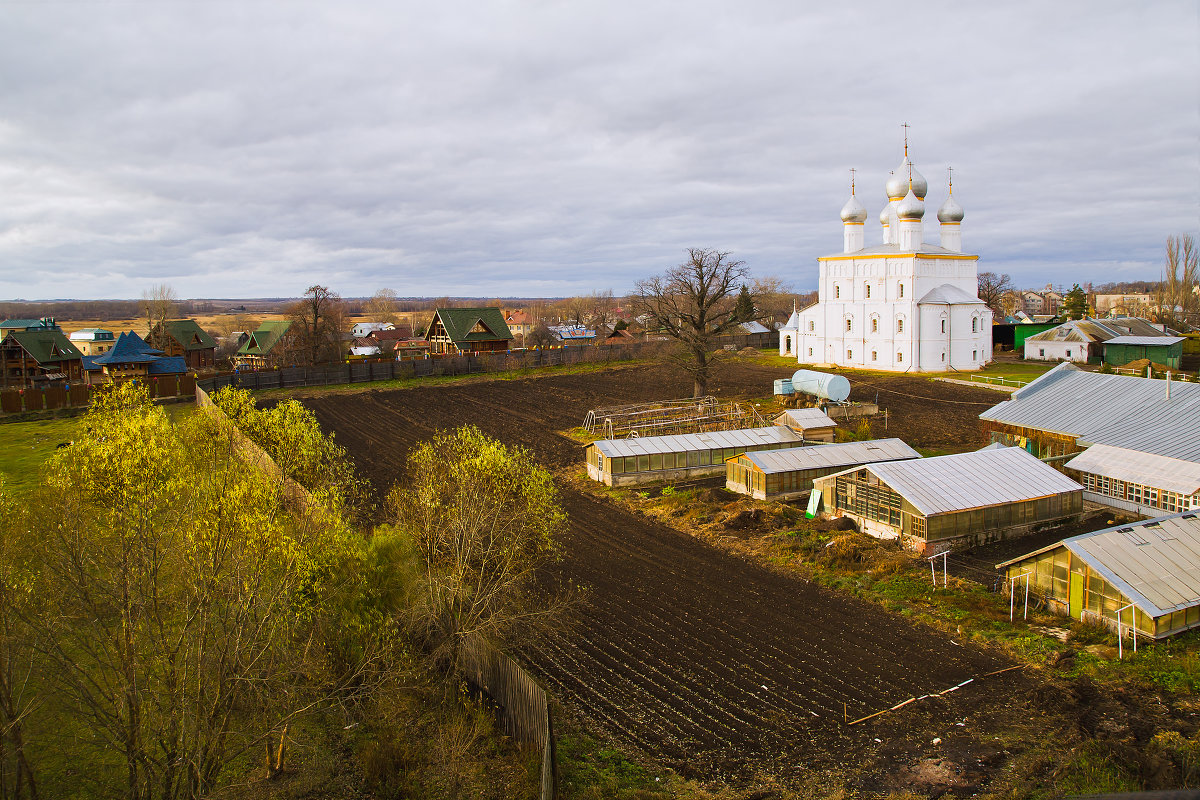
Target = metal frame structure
(671,417)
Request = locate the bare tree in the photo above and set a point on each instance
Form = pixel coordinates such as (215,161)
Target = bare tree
(159,304)
(773,299)
(317,324)
(602,308)
(381,307)
(1177,302)
(694,303)
(992,288)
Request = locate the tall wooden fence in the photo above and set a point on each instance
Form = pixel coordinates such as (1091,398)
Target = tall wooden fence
(523,706)
(79,395)
(479,363)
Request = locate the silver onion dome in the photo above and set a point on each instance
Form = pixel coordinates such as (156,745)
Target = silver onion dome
(906,174)
(950,211)
(854,211)
(885,216)
(911,207)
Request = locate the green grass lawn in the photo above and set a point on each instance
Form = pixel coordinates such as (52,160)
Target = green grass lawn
(25,446)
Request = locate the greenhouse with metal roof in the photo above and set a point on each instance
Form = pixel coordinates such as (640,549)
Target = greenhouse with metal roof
(788,474)
(965,499)
(652,459)
(1145,575)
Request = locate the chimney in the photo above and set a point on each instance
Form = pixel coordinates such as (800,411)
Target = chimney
(1168,384)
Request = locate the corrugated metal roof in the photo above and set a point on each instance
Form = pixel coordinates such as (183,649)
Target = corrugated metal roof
(1120,410)
(963,481)
(805,418)
(1146,341)
(684,442)
(1155,563)
(1149,469)
(842,454)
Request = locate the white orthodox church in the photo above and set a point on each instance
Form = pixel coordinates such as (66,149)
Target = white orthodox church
(903,305)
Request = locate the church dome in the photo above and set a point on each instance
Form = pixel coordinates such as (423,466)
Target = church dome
(854,211)
(906,175)
(911,207)
(885,215)
(950,211)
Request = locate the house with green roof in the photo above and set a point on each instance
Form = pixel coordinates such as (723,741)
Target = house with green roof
(38,356)
(455,331)
(10,325)
(185,338)
(266,347)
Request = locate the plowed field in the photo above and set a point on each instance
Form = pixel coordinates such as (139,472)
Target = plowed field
(716,666)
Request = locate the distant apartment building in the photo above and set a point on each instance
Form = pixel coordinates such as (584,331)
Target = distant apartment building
(1130,305)
(93,341)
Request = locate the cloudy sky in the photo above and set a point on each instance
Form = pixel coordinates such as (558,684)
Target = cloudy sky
(252,148)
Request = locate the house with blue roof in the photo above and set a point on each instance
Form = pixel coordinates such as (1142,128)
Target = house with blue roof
(129,358)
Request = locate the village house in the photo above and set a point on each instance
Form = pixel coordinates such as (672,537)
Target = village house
(455,331)
(789,473)
(37,355)
(1144,574)
(93,341)
(265,347)
(132,357)
(1085,341)
(520,323)
(962,500)
(363,329)
(186,339)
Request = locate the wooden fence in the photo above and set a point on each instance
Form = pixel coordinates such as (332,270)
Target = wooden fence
(79,395)
(478,363)
(522,704)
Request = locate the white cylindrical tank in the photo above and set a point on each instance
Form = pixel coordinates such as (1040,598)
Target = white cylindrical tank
(828,387)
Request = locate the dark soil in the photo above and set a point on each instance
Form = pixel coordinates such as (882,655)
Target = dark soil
(704,662)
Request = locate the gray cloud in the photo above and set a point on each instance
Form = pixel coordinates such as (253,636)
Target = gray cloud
(253,148)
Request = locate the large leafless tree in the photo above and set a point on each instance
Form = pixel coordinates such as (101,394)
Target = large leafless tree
(159,304)
(317,323)
(992,288)
(694,303)
(1177,301)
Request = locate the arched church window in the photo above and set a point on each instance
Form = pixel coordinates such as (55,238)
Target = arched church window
(788,344)
(899,326)
(849,324)
(812,326)
(837,291)
(874,356)
(874,324)
(902,290)
(943,326)
(899,358)
(868,291)
(974,325)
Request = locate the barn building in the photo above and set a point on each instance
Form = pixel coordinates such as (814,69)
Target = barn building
(966,499)
(1068,410)
(1147,572)
(811,423)
(1087,341)
(1166,351)
(651,459)
(1145,484)
(788,474)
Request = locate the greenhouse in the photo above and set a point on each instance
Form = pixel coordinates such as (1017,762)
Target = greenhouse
(965,499)
(1146,574)
(651,459)
(787,474)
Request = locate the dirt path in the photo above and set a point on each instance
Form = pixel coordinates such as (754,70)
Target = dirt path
(715,666)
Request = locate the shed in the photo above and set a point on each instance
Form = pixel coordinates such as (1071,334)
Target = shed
(1153,566)
(787,474)
(1144,483)
(649,459)
(964,499)
(1164,350)
(811,423)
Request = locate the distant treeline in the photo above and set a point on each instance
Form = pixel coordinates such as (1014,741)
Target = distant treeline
(97,309)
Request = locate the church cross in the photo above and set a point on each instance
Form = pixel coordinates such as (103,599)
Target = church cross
(852,171)
(906,126)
